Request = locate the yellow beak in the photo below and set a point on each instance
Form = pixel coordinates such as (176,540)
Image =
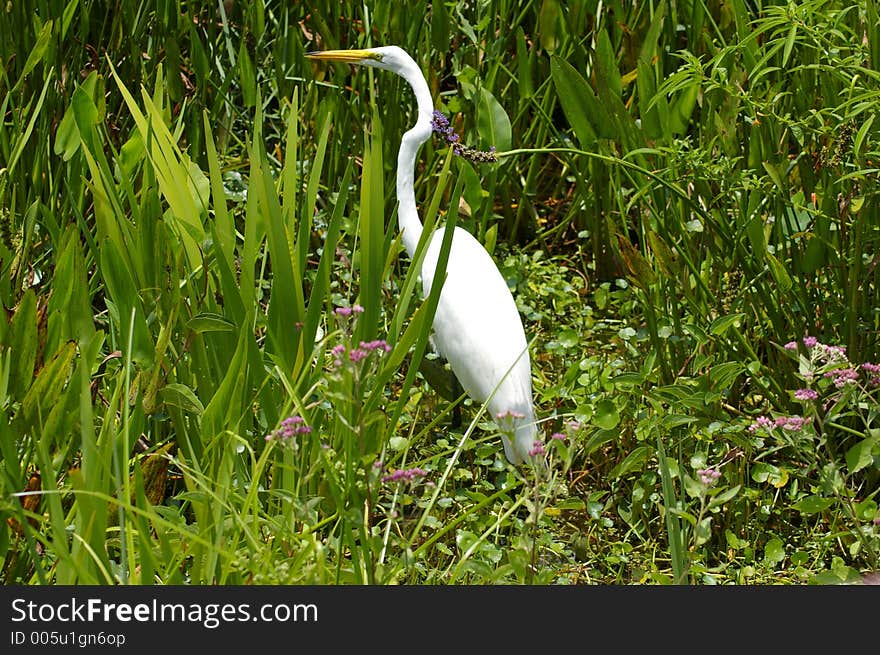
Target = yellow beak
(345,56)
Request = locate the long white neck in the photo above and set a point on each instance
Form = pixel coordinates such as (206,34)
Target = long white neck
(412,140)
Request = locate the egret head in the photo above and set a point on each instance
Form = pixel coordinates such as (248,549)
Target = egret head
(389,58)
(396,60)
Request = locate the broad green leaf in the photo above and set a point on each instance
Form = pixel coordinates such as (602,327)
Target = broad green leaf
(703,531)
(247,76)
(523,66)
(82,113)
(783,279)
(179,395)
(722,376)
(43,394)
(129,316)
(682,107)
(813,504)
(606,415)
(634,461)
(724,497)
(69,308)
(493,125)
(606,59)
(723,323)
(774,174)
(774,551)
(639,269)
(578,100)
(439,26)
(229,403)
(866,510)
(551,28)
(649,112)
(24,344)
(473,193)
(210,322)
(862,454)
(39,50)
(398,443)
(774,475)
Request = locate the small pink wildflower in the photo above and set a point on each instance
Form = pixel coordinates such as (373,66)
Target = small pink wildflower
(791,423)
(404,474)
(806,394)
(842,376)
(558,436)
(348,311)
(871,368)
(810,342)
(762,422)
(509,414)
(536,449)
(289,428)
(791,345)
(357,354)
(708,476)
(378,344)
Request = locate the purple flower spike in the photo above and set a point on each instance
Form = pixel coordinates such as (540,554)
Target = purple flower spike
(441,126)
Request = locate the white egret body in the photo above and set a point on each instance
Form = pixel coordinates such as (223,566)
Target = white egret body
(477,326)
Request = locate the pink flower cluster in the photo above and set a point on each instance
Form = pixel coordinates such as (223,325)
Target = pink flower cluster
(708,476)
(820,350)
(358,354)
(405,474)
(790,423)
(348,311)
(509,414)
(289,428)
(806,394)
(874,369)
(842,376)
(537,449)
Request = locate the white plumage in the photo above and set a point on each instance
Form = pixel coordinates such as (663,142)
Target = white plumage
(477,326)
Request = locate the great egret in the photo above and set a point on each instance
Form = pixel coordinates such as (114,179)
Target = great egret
(477,326)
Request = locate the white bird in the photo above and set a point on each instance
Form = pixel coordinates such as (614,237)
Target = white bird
(477,326)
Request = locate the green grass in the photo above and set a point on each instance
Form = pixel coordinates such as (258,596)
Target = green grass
(682,190)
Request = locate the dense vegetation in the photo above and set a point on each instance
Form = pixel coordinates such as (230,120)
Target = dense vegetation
(685,206)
